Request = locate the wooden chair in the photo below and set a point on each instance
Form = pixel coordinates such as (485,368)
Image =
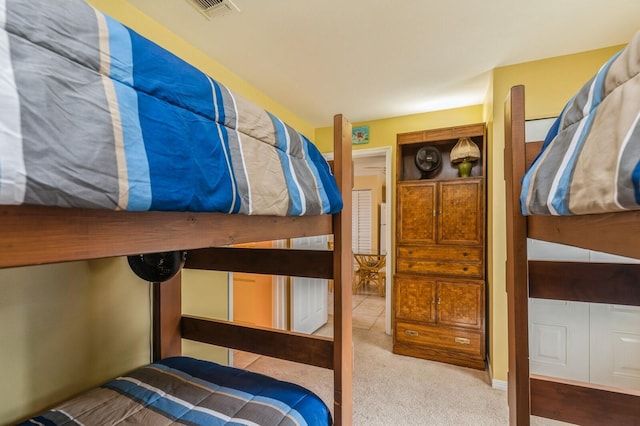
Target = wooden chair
(370,271)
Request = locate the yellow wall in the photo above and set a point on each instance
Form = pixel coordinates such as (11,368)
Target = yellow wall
(62,327)
(205,294)
(383,132)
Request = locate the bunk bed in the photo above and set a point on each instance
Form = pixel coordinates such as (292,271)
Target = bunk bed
(604,106)
(61,205)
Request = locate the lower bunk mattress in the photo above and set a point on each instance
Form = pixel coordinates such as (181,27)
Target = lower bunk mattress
(188,391)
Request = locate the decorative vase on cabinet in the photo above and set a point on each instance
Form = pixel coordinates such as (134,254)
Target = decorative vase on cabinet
(439,287)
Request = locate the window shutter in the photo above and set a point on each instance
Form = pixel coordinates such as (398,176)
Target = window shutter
(361,221)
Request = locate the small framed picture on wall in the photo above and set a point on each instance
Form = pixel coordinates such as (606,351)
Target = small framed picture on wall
(360,135)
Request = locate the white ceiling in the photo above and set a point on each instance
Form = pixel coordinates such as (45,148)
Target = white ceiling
(371,59)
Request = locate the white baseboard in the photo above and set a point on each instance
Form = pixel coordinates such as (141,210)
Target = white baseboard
(496,384)
(499,384)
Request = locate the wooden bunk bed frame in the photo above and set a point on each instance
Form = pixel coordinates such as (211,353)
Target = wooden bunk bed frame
(569,401)
(39,235)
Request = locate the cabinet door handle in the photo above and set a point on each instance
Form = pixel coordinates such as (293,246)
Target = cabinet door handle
(438,300)
(462,340)
(411,333)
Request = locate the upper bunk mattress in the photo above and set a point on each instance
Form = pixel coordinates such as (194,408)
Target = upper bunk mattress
(187,391)
(590,160)
(93,115)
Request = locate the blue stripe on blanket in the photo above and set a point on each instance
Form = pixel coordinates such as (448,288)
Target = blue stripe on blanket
(191,146)
(326,182)
(218,102)
(324,200)
(560,199)
(219,115)
(148,398)
(139,185)
(154,73)
(297,206)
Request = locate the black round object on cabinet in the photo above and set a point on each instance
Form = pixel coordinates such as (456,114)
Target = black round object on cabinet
(428,160)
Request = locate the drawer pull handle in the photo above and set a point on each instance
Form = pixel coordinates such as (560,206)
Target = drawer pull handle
(411,333)
(462,340)
(410,251)
(465,254)
(465,268)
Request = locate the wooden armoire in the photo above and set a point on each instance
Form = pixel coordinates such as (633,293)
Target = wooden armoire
(439,283)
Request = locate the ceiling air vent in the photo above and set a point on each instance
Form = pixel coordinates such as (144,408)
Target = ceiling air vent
(211,8)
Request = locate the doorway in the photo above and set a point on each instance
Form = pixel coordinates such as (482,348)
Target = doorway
(371,161)
(377,161)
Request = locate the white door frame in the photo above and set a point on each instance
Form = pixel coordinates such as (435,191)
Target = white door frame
(377,152)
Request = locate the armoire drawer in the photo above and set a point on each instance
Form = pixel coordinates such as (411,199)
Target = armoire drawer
(438,267)
(434,336)
(441,252)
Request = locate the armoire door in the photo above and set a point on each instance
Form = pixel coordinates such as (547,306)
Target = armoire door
(460,303)
(460,215)
(416,219)
(415,299)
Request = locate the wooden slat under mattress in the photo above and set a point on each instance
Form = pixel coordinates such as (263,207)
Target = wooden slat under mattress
(583,403)
(610,233)
(39,235)
(614,283)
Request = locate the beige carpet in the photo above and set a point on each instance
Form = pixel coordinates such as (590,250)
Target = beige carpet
(391,389)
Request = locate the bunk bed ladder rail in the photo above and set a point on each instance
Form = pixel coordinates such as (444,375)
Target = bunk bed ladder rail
(516,272)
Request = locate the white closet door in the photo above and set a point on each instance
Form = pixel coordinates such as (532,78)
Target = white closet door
(615,345)
(558,330)
(309,310)
(559,339)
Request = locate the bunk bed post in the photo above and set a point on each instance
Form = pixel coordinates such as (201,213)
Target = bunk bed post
(342,258)
(167,313)
(516,267)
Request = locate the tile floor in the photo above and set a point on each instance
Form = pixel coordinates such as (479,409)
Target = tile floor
(368,313)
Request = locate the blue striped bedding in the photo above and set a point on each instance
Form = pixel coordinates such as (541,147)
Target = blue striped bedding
(187,391)
(93,115)
(590,160)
